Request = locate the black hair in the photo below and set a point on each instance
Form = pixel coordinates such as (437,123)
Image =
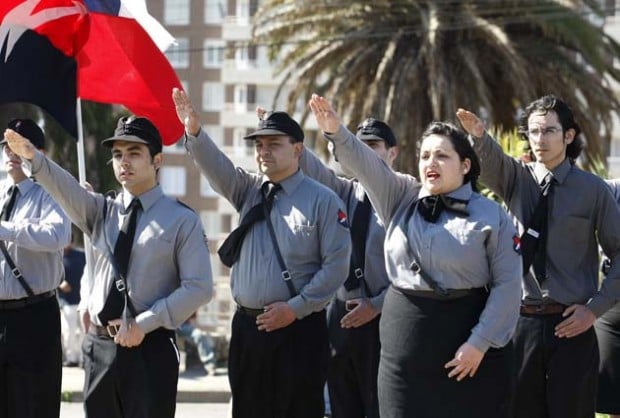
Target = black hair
(550,103)
(461,145)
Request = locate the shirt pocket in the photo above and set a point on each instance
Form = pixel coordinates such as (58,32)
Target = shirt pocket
(300,242)
(460,247)
(570,232)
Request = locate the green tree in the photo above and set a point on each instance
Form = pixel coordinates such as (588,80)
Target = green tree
(410,62)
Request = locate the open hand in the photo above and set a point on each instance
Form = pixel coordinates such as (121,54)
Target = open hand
(465,362)
(186,112)
(471,123)
(326,117)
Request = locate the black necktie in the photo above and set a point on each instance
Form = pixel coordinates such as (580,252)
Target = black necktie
(230,249)
(534,239)
(9,203)
(430,207)
(359,230)
(115,302)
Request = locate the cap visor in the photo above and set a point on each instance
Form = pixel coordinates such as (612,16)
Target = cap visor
(370,137)
(265,132)
(127,138)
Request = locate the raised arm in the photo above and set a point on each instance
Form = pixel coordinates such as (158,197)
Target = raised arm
(385,187)
(499,171)
(81,206)
(226,179)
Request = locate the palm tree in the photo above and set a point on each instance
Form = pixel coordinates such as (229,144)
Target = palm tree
(410,62)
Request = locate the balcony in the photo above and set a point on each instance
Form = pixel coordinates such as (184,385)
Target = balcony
(236,29)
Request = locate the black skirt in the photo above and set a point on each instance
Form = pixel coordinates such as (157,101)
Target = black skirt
(607,329)
(418,337)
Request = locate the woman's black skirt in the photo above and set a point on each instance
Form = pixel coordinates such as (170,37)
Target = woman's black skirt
(418,337)
(608,334)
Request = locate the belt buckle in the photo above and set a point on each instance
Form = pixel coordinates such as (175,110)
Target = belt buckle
(112,330)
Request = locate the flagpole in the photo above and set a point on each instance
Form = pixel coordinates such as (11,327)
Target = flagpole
(80,144)
(88,276)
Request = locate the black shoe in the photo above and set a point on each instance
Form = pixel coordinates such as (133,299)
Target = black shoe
(70,364)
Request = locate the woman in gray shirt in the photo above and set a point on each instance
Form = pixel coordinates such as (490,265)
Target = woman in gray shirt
(453,259)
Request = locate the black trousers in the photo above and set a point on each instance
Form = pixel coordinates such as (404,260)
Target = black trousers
(418,337)
(278,374)
(556,377)
(30,361)
(353,366)
(607,329)
(139,382)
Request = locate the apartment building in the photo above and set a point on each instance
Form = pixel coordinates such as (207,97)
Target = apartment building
(226,79)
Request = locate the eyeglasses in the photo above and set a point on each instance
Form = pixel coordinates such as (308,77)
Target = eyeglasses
(536,132)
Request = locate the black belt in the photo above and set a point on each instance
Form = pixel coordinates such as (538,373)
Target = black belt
(545,309)
(31,300)
(111,330)
(451,294)
(249,311)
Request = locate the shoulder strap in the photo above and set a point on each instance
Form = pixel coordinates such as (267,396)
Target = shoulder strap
(286,275)
(18,274)
(359,234)
(121,282)
(415,266)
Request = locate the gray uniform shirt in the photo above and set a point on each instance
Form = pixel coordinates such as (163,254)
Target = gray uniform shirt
(169,273)
(582,211)
(35,236)
(352,193)
(310,226)
(458,252)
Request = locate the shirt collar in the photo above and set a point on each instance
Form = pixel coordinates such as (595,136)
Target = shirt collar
(559,173)
(462,193)
(147,199)
(23,186)
(290,183)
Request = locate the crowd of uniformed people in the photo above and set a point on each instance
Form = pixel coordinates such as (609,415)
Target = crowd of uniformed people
(409,297)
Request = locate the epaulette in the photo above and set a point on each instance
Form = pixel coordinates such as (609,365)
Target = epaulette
(180,202)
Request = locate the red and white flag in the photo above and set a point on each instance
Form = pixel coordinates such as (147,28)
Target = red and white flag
(110,51)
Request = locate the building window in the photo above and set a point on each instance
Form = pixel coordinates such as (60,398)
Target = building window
(173,180)
(212,97)
(205,188)
(241,146)
(242,57)
(215,11)
(241,98)
(213,55)
(176,12)
(212,222)
(178,54)
(215,132)
(243,11)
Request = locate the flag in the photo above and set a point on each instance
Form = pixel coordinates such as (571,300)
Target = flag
(122,62)
(109,51)
(38,43)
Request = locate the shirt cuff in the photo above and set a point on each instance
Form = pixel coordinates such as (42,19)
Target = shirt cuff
(147,321)
(479,342)
(300,307)
(599,305)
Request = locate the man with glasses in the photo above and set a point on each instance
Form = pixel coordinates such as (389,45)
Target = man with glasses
(34,230)
(563,214)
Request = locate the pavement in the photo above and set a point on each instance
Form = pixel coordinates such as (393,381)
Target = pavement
(194,386)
